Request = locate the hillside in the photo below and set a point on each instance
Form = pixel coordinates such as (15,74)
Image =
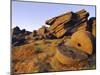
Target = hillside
(68,44)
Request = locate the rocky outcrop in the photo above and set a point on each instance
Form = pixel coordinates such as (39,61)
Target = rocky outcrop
(68,23)
(92,26)
(64,25)
(18,36)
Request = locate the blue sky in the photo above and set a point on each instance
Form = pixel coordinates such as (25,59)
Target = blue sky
(32,15)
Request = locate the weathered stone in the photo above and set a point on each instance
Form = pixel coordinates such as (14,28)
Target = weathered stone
(61,32)
(82,14)
(19,42)
(92,26)
(50,22)
(68,23)
(67,55)
(82,40)
(50,36)
(16,30)
(60,19)
(18,36)
(34,33)
(42,31)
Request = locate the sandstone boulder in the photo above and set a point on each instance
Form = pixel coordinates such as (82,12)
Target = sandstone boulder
(68,23)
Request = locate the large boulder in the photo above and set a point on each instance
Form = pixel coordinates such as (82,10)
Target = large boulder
(68,23)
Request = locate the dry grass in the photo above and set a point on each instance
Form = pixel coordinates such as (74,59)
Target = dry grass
(26,57)
(38,56)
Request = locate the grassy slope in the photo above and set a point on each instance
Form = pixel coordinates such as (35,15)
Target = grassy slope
(36,57)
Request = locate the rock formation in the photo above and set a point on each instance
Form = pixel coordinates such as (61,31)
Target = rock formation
(68,23)
(18,36)
(69,43)
(92,26)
